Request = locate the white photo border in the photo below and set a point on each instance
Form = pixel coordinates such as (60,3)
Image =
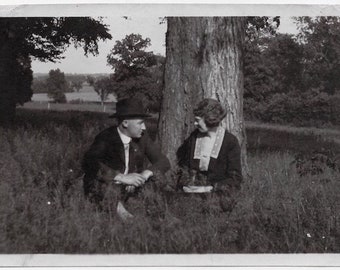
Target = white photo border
(25,8)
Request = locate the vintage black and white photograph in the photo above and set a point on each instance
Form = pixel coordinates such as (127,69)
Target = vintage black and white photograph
(147,133)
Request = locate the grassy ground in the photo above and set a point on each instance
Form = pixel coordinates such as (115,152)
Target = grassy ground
(294,139)
(43,210)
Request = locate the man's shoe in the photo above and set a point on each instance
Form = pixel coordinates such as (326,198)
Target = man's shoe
(124,214)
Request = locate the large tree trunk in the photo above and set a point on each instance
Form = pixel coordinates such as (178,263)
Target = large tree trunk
(15,75)
(7,83)
(204,58)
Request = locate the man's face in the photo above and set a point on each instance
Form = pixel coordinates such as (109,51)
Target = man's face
(200,124)
(134,127)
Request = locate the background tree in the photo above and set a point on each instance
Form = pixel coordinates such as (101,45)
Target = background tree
(258,71)
(103,88)
(285,55)
(294,79)
(320,38)
(57,86)
(39,85)
(137,72)
(43,38)
(273,65)
(258,75)
(76,85)
(76,81)
(258,27)
(90,80)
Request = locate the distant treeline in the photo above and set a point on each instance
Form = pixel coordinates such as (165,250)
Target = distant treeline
(288,79)
(295,79)
(74,81)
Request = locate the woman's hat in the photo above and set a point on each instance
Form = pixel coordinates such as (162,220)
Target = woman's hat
(130,108)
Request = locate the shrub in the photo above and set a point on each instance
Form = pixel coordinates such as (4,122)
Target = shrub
(311,108)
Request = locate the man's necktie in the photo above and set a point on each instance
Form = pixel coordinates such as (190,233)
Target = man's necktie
(126,150)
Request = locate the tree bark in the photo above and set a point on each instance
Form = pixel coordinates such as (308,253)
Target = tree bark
(15,74)
(204,58)
(7,83)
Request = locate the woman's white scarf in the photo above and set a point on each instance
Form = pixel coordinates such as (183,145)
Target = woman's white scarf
(198,153)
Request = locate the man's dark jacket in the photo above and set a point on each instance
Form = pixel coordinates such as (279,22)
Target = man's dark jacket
(224,172)
(105,159)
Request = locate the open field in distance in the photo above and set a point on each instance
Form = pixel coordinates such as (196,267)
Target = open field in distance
(93,107)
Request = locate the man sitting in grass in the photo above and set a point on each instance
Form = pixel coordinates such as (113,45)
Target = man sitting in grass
(115,166)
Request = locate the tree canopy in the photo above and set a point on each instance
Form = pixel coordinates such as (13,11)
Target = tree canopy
(295,79)
(43,38)
(57,86)
(129,57)
(137,72)
(46,38)
(320,39)
(103,87)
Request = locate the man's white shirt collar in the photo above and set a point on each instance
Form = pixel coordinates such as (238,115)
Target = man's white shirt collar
(125,139)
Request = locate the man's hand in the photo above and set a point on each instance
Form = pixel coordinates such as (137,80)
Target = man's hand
(130,189)
(147,174)
(131,179)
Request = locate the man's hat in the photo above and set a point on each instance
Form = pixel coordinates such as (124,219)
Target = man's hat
(130,108)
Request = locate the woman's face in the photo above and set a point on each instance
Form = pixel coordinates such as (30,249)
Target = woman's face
(200,124)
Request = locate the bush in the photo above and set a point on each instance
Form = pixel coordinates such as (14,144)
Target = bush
(57,86)
(311,108)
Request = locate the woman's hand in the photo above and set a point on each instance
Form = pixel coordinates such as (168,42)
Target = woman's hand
(130,189)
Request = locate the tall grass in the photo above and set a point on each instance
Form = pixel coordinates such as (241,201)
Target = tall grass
(269,137)
(43,210)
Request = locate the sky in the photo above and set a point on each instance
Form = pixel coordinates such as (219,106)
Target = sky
(76,62)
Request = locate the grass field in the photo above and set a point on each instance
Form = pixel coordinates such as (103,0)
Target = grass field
(279,210)
(93,107)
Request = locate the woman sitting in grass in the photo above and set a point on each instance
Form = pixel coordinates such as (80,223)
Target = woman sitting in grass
(210,158)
